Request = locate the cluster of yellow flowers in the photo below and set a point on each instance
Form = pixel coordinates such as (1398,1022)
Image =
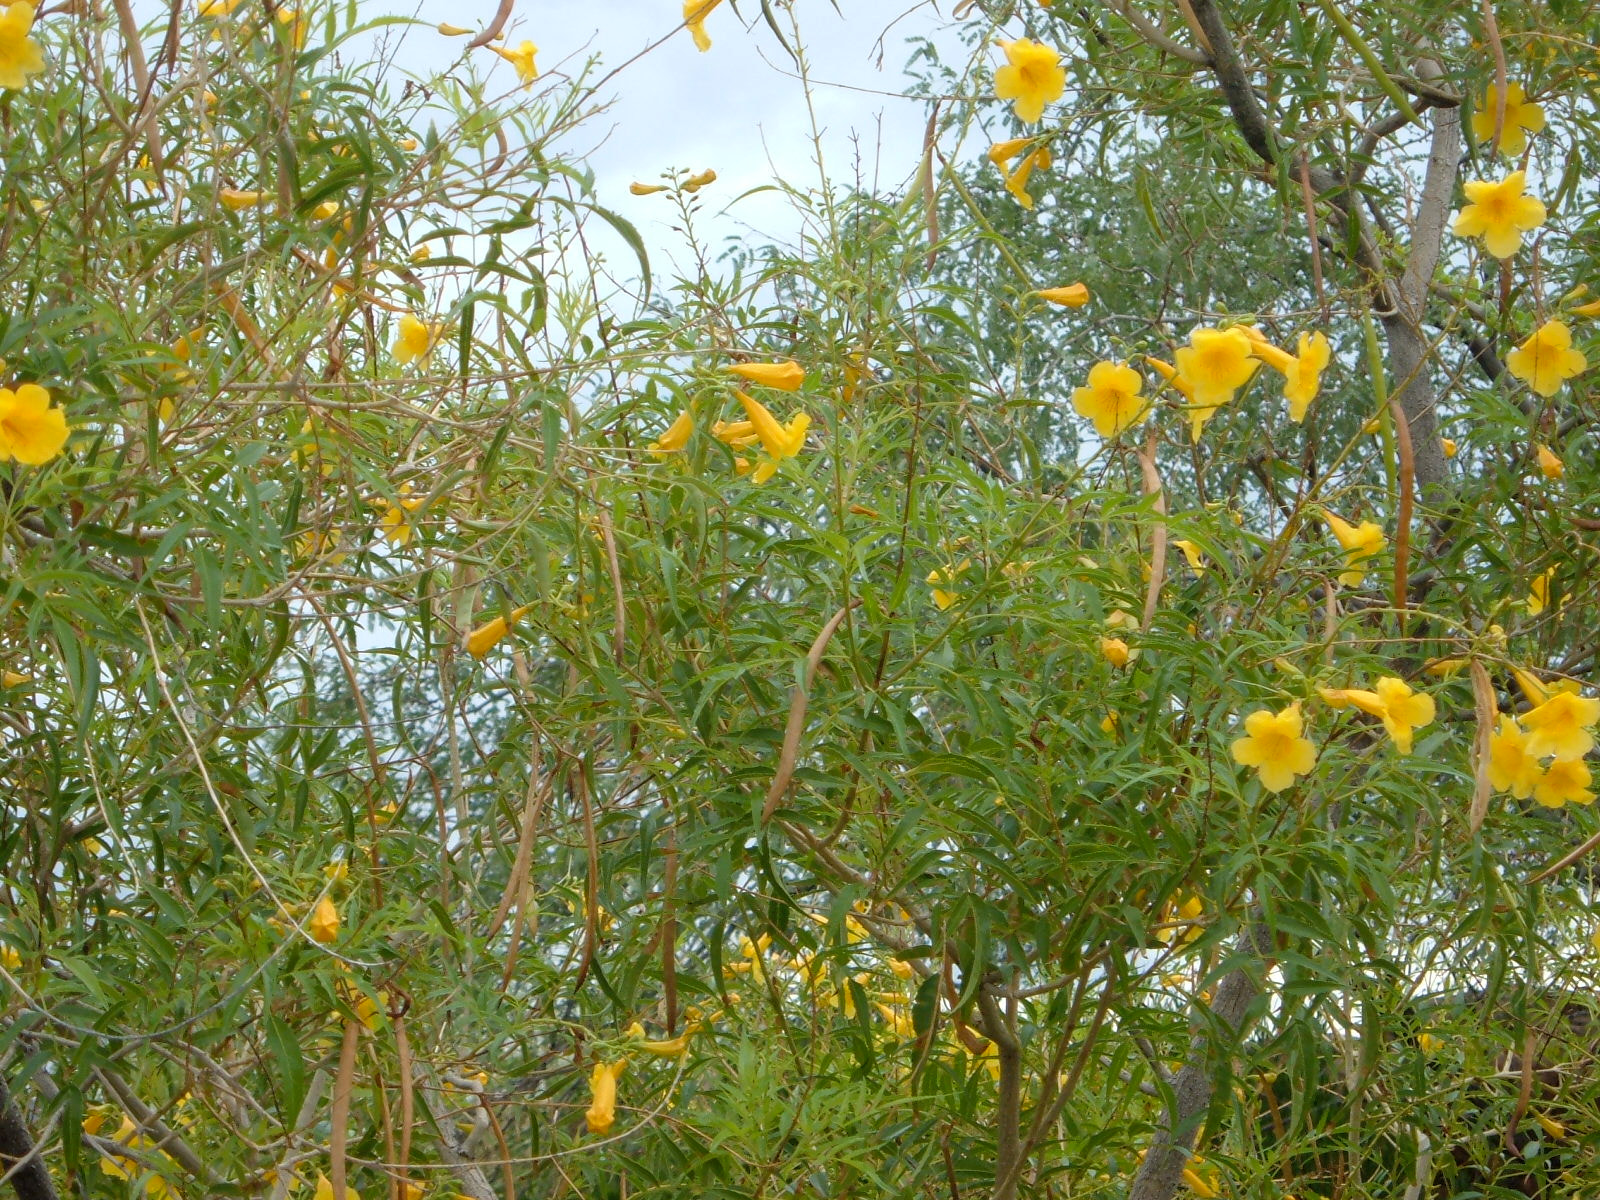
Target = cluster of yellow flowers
(777,439)
(1559,727)
(1276,746)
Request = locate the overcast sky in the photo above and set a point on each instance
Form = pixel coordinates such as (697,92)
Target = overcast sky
(738,108)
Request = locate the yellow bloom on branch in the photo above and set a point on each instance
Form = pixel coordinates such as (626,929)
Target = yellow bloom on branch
(1499,214)
(1565,781)
(415,340)
(487,636)
(1116,652)
(1032,77)
(646,189)
(1192,552)
(1546,359)
(325,1189)
(1404,711)
(521,57)
(1073,295)
(1215,364)
(31,431)
(695,182)
(1359,542)
(1562,726)
(1550,465)
(943,581)
(785,376)
(1539,593)
(324,922)
(233,200)
(694,15)
(1522,117)
(1275,747)
(1111,399)
(602,1112)
(20,56)
(675,437)
(779,441)
(1301,371)
(1017,180)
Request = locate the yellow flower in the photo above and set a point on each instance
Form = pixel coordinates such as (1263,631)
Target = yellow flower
(422,254)
(324,922)
(218,8)
(410,143)
(1429,1044)
(1550,1125)
(943,581)
(737,434)
(779,441)
(295,26)
(1302,371)
(31,431)
(646,189)
(12,679)
(671,1048)
(448,30)
(1115,651)
(20,55)
(233,199)
(1561,725)
(1273,745)
(415,339)
(1215,364)
(695,182)
(485,637)
(325,1189)
(785,376)
(1549,465)
(1031,78)
(1017,180)
(395,524)
(602,1112)
(675,437)
(1546,360)
(1073,295)
(1564,781)
(1448,445)
(694,15)
(1111,400)
(9,958)
(522,59)
(1522,117)
(1368,702)
(1404,711)
(1197,562)
(1446,668)
(1499,214)
(327,210)
(1360,542)
(1539,593)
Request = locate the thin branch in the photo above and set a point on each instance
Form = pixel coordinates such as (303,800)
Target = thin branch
(1151,33)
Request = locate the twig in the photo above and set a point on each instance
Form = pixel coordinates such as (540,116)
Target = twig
(797,715)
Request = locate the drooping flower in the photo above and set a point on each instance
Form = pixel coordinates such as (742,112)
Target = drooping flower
(1564,781)
(1404,711)
(1073,295)
(1550,466)
(943,581)
(1111,400)
(521,57)
(779,441)
(395,524)
(1448,445)
(785,376)
(1116,652)
(1359,542)
(1301,371)
(448,30)
(602,1112)
(1499,214)
(20,56)
(1275,747)
(669,1048)
(1017,181)
(1429,1044)
(694,14)
(1032,77)
(1192,552)
(486,636)
(1522,117)
(415,340)
(646,189)
(1215,364)
(1546,360)
(233,199)
(675,437)
(1539,593)
(325,1189)
(31,431)
(324,922)
(1562,726)
(695,182)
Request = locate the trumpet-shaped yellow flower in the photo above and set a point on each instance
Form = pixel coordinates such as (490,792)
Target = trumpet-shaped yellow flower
(670,1048)
(448,30)
(395,524)
(1550,466)
(1522,117)
(737,434)
(646,189)
(1111,399)
(602,1112)
(1564,781)
(233,199)
(943,581)
(779,441)
(1301,371)
(11,679)
(1017,180)
(1499,214)
(1429,1044)
(1073,295)
(325,1189)
(675,437)
(415,339)
(695,182)
(1215,365)
(1562,726)
(20,56)
(1275,747)
(1539,593)
(487,636)
(1116,652)
(31,431)
(1546,360)
(324,922)
(1448,445)
(521,57)
(1404,711)
(785,376)
(1359,542)
(695,13)
(1032,77)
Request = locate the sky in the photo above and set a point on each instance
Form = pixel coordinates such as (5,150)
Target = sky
(738,108)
